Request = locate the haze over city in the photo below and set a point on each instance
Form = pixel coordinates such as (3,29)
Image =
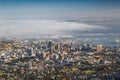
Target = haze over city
(59,19)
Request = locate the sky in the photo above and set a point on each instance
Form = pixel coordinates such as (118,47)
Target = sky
(59,18)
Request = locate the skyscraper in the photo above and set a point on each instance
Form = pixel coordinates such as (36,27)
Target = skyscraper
(49,44)
(58,46)
(53,48)
(99,48)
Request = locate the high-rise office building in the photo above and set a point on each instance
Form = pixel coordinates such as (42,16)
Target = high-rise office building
(99,48)
(49,44)
(53,48)
(59,46)
(86,47)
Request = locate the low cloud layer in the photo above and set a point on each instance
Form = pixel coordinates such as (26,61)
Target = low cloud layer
(32,28)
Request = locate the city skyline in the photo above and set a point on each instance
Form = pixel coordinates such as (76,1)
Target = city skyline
(59,39)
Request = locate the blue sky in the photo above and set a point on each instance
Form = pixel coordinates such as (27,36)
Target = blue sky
(59,8)
(34,18)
